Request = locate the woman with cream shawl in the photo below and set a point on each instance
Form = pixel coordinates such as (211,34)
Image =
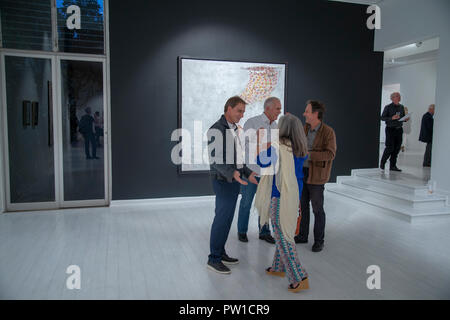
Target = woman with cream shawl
(278,195)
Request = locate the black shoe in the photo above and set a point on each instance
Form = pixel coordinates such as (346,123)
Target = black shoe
(228,260)
(218,267)
(317,246)
(267,237)
(395,169)
(382,166)
(88,158)
(299,239)
(242,237)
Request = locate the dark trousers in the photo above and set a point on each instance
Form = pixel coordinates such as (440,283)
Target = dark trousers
(394,137)
(312,193)
(98,134)
(427,155)
(226,197)
(248,193)
(90,139)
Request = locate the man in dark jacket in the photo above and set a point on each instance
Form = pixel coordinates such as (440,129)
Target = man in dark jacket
(226,167)
(394,131)
(86,128)
(426,134)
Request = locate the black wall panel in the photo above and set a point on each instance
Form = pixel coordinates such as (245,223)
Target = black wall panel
(330,57)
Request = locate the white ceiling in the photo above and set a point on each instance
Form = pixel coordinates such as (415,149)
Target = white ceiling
(412,49)
(426,50)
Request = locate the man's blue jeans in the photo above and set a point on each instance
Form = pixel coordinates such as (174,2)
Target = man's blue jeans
(248,193)
(226,198)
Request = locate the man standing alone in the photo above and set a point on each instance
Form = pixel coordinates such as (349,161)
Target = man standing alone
(426,134)
(394,131)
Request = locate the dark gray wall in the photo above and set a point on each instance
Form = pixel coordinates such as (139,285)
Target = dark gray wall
(330,57)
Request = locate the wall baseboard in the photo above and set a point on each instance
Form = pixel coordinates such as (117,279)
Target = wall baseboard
(164,201)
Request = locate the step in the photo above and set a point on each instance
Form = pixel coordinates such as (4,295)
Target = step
(401,211)
(392,181)
(428,201)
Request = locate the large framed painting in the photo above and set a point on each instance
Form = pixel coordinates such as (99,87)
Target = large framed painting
(204,85)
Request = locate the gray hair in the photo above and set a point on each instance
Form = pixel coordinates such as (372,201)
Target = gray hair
(270,102)
(395,93)
(291,133)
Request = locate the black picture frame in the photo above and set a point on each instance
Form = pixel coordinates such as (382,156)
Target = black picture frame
(180,95)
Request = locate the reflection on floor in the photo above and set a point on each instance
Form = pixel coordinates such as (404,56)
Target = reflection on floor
(159,251)
(84,179)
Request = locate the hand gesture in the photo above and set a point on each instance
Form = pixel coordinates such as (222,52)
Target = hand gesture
(237,177)
(395,117)
(252,178)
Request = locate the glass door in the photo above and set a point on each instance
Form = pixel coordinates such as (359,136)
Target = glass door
(56,145)
(83,131)
(29,130)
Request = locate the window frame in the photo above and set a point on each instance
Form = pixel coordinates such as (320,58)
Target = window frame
(55,37)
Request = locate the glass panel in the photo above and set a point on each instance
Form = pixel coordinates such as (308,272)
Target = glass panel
(30,129)
(82,129)
(26,24)
(87,39)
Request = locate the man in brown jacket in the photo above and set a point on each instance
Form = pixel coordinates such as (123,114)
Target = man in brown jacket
(316,172)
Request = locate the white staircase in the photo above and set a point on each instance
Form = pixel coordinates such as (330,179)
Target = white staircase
(401,193)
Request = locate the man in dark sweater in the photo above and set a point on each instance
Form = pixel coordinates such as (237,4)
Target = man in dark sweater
(394,131)
(426,134)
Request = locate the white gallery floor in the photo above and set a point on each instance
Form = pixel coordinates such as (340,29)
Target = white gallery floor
(159,251)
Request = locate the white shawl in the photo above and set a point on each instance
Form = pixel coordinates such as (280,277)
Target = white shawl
(286,182)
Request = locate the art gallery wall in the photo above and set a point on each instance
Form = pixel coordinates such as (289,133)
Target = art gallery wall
(330,57)
(410,21)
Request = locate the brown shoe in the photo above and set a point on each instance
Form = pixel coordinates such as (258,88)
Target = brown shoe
(303,285)
(275,273)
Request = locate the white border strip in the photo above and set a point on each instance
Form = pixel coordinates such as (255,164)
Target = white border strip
(164,201)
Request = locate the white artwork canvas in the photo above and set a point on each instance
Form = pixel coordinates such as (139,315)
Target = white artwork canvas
(207,84)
